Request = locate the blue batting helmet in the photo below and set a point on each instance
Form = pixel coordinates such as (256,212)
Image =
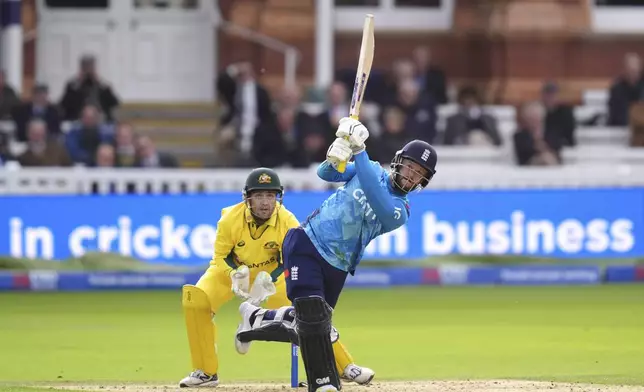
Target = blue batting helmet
(417,151)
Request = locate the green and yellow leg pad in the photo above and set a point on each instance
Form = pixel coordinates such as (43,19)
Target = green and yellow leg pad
(201,329)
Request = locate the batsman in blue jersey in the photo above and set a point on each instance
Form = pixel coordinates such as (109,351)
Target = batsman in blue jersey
(329,245)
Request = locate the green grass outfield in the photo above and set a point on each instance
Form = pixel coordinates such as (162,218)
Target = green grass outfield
(577,334)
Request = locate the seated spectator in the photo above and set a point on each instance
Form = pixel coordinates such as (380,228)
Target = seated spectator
(8,97)
(419,109)
(148,156)
(323,124)
(337,105)
(288,97)
(41,149)
(394,135)
(106,159)
(402,70)
(105,156)
(277,142)
(560,119)
(626,90)
(39,107)
(430,77)
(124,146)
(4,148)
(86,135)
(532,145)
(462,128)
(87,88)
(315,146)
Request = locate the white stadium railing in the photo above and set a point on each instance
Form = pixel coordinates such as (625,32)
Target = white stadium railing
(27,181)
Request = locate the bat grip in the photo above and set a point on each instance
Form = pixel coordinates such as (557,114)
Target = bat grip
(342,166)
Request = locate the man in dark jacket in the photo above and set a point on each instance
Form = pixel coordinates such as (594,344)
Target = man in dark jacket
(626,90)
(87,88)
(38,108)
(469,119)
(560,119)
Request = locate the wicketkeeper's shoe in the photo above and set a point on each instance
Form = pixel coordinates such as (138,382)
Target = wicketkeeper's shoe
(199,379)
(357,374)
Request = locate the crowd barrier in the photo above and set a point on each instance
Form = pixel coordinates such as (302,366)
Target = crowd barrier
(364,278)
(459,168)
(180,229)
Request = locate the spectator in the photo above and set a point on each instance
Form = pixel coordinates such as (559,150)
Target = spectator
(87,88)
(470,121)
(560,119)
(105,156)
(277,143)
(430,77)
(401,71)
(86,135)
(106,159)
(532,145)
(394,135)
(315,145)
(319,127)
(289,97)
(626,90)
(337,105)
(41,149)
(148,156)
(420,111)
(8,97)
(124,146)
(39,107)
(4,148)
(248,105)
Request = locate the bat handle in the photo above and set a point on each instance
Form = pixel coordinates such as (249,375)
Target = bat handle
(342,166)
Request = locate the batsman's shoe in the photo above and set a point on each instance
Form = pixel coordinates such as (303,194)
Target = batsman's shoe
(357,374)
(327,388)
(198,379)
(246,309)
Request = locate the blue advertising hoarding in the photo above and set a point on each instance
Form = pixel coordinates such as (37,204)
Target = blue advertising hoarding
(180,229)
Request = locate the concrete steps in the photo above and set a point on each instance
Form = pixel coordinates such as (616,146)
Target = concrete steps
(186,130)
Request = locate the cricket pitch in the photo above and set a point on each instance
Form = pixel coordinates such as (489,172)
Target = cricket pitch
(393,386)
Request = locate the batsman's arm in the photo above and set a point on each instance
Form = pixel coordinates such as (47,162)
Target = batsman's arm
(391,212)
(327,172)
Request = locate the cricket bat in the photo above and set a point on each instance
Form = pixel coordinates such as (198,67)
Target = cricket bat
(362,73)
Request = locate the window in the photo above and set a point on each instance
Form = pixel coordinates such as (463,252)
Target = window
(617,16)
(395,15)
(418,3)
(619,3)
(357,3)
(162,4)
(77,3)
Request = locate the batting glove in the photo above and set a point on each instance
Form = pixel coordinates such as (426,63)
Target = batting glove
(339,151)
(241,282)
(355,132)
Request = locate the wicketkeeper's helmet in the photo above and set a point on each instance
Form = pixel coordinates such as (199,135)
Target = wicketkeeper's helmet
(263,179)
(420,152)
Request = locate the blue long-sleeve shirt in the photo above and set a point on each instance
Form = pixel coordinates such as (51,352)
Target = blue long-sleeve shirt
(74,146)
(366,206)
